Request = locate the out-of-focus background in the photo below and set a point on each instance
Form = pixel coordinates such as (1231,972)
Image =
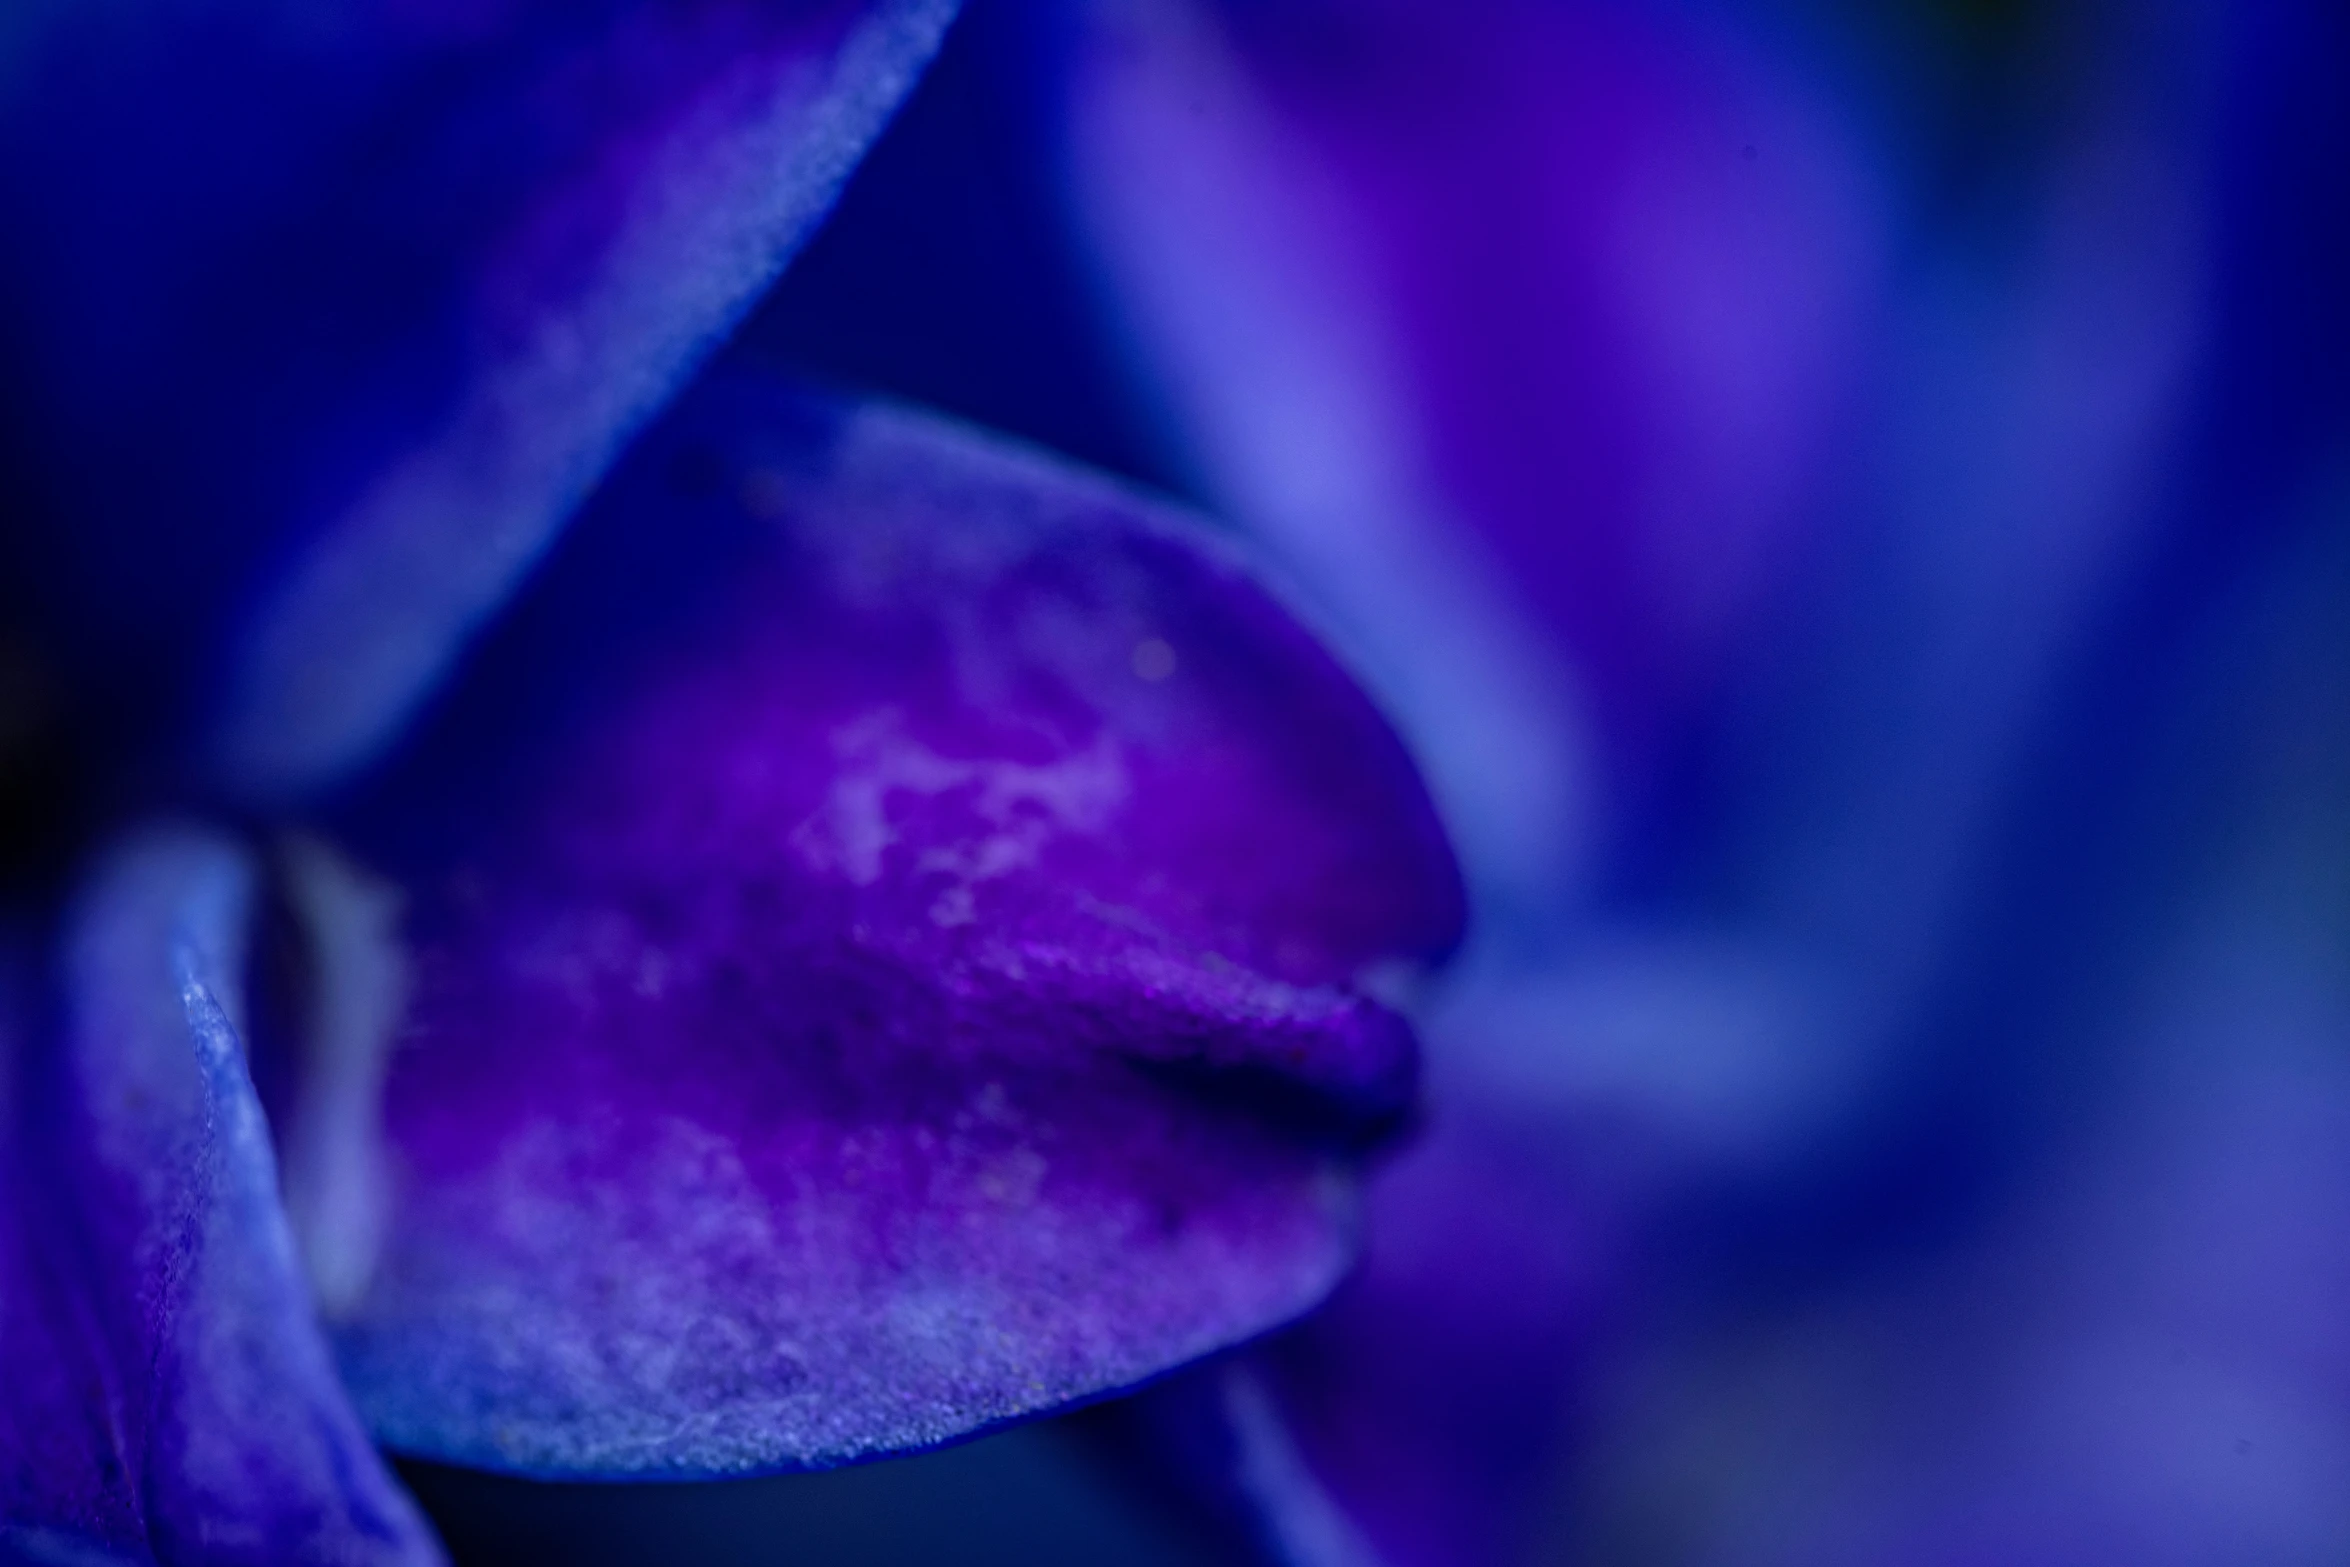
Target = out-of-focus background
(1851,506)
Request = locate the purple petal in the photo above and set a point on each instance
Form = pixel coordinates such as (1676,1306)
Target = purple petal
(1412,1421)
(884,922)
(329,320)
(1487,1279)
(169,1396)
(1212,1446)
(1523,327)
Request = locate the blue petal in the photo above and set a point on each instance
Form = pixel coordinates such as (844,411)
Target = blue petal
(2091,422)
(169,1394)
(327,319)
(1475,313)
(1409,1421)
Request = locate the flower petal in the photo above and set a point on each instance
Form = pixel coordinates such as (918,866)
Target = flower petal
(1412,1420)
(170,1397)
(883,928)
(1523,328)
(328,320)
(1922,1053)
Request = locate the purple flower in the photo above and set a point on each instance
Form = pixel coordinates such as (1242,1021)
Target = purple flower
(587,944)
(573,904)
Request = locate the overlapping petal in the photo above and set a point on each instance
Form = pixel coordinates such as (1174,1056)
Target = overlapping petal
(1917,843)
(885,926)
(169,1396)
(1523,328)
(1407,1422)
(2130,1345)
(320,319)
(1834,919)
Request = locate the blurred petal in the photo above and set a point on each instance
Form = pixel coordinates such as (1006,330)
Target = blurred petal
(1830,1005)
(883,931)
(1482,1290)
(169,1396)
(327,318)
(2130,1346)
(1523,328)
(1212,1444)
(947,273)
(1410,1422)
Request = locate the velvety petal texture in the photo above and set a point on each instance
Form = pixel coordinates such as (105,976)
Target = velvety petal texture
(169,1397)
(319,319)
(888,928)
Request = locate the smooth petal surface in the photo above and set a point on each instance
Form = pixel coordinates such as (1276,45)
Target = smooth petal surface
(1809,994)
(2132,1347)
(882,930)
(1486,1282)
(1919,1340)
(321,319)
(1522,328)
(169,1397)
(1410,1420)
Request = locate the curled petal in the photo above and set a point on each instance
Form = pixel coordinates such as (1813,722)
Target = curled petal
(320,323)
(169,1395)
(886,929)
